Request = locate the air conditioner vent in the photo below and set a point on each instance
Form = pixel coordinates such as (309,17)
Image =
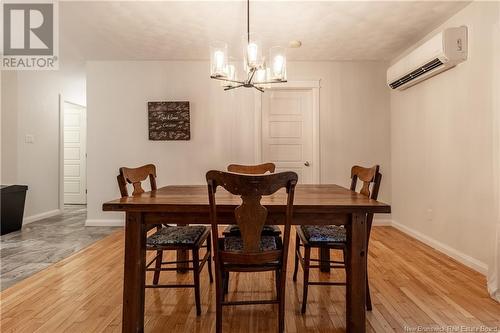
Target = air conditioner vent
(441,52)
(416,73)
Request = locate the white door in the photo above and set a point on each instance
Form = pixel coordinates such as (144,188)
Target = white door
(287,131)
(75,185)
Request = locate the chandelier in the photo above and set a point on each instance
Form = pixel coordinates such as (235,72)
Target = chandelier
(259,71)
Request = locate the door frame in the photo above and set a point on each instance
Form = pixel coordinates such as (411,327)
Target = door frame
(314,86)
(62,100)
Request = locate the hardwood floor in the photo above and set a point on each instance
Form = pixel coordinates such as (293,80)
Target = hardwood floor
(412,285)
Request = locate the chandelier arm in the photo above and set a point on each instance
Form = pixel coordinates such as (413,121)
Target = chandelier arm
(258,88)
(227,80)
(234,87)
(252,73)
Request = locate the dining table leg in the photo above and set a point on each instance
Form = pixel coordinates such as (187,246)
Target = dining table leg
(356,274)
(134,277)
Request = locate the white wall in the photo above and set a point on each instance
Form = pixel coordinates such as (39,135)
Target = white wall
(30,105)
(442,144)
(354,115)
(9,127)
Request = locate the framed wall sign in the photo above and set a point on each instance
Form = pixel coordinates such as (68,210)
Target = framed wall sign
(169,121)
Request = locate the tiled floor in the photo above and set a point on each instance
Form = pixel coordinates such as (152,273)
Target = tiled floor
(45,242)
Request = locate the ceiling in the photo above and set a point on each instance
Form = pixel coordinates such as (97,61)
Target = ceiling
(180,30)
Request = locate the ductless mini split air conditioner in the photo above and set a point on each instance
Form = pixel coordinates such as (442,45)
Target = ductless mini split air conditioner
(442,52)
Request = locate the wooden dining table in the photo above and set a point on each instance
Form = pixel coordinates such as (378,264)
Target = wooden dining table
(314,204)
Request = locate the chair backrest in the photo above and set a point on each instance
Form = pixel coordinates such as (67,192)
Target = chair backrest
(251,215)
(252,169)
(369,176)
(136,176)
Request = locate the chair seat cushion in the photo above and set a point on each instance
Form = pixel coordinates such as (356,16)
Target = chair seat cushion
(267,230)
(182,235)
(324,233)
(233,243)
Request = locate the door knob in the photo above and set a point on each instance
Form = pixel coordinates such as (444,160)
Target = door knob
(307,163)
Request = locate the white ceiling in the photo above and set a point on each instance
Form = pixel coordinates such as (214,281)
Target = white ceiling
(183,30)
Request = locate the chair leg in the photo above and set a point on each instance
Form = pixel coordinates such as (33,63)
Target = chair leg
(209,260)
(297,248)
(218,299)
(307,262)
(277,282)
(159,258)
(196,273)
(281,297)
(368,296)
(226,283)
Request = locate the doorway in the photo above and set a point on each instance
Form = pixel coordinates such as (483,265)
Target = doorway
(74,154)
(288,129)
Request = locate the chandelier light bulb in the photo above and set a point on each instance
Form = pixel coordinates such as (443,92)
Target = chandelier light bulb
(260,75)
(230,75)
(218,60)
(252,51)
(278,63)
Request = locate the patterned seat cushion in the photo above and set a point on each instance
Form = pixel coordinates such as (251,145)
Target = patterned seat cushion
(182,235)
(267,230)
(233,243)
(324,233)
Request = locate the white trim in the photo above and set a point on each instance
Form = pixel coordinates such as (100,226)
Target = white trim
(461,257)
(61,152)
(316,137)
(41,216)
(104,223)
(314,85)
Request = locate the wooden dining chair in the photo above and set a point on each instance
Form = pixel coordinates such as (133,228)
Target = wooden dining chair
(334,237)
(170,238)
(252,252)
(260,169)
(234,229)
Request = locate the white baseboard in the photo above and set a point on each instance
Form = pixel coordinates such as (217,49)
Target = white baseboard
(493,290)
(104,223)
(461,257)
(41,216)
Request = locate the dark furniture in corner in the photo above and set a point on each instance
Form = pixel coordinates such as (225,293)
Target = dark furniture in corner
(12,207)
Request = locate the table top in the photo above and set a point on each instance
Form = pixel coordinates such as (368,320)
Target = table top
(325,198)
